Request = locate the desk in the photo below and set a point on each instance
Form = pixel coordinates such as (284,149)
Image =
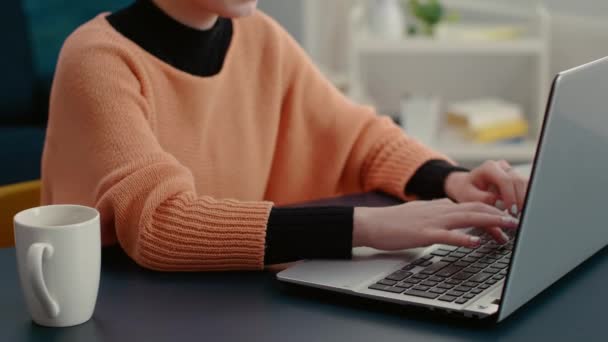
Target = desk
(139,305)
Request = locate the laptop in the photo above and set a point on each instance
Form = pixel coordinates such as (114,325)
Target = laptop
(561,225)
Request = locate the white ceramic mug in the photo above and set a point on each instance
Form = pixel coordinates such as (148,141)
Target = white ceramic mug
(59,261)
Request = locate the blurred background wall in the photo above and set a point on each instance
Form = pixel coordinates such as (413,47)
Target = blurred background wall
(34,30)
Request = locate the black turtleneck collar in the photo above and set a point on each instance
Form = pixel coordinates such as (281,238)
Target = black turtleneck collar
(197,52)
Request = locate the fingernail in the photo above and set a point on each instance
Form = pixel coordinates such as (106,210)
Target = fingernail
(505,237)
(510,220)
(500,205)
(514,210)
(475,240)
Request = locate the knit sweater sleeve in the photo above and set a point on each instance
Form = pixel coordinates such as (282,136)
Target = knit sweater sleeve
(372,152)
(101,146)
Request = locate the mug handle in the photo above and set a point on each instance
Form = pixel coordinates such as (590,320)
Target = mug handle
(35,254)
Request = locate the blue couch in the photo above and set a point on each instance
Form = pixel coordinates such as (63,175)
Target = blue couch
(32,32)
(20,138)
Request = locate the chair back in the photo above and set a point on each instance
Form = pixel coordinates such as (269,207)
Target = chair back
(13,199)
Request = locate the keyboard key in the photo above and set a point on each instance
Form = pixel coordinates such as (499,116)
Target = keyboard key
(386,288)
(438,290)
(462,301)
(476,291)
(500,265)
(491,270)
(469,259)
(464,250)
(477,255)
(462,275)
(434,268)
(483,286)
(419,276)
(449,248)
(404,285)
(455,293)
(422,259)
(458,254)
(421,287)
(447,298)
(440,252)
(408,267)
(428,283)
(473,269)
(422,294)
(436,278)
(445,286)
(468,296)
(484,250)
(462,263)
(462,288)
(449,271)
(412,281)
(491,282)
(498,277)
(449,259)
(470,283)
(379,287)
(480,277)
(453,281)
(399,275)
(480,264)
(503,272)
(488,260)
(387,282)
(426,263)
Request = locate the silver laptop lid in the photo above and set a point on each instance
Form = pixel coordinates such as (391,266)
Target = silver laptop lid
(564,219)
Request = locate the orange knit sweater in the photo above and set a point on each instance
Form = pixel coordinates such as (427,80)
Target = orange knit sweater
(185,169)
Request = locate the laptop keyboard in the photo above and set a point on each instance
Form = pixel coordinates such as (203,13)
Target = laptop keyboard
(452,274)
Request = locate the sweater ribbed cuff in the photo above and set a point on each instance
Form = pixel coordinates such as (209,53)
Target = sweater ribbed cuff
(190,234)
(396,159)
(309,233)
(428,182)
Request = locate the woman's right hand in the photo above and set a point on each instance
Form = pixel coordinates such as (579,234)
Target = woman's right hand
(424,223)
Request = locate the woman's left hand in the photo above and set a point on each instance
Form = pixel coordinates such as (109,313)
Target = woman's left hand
(489,183)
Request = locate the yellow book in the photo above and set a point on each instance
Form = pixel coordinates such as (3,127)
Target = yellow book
(503,131)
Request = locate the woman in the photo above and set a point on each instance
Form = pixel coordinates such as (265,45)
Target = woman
(163,110)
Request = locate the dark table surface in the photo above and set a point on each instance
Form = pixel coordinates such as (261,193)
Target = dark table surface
(139,305)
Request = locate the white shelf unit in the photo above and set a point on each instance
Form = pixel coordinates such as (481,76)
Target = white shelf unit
(517,70)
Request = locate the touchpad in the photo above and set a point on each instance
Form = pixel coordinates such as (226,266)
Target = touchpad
(366,264)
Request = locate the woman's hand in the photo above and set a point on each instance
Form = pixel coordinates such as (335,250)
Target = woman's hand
(421,223)
(489,183)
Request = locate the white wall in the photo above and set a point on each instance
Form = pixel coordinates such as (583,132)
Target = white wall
(286,12)
(595,8)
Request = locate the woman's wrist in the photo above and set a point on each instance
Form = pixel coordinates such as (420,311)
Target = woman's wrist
(453,182)
(361,224)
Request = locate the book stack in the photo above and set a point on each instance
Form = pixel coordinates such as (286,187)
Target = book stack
(488,120)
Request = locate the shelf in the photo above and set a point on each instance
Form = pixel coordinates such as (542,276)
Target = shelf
(469,152)
(527,46)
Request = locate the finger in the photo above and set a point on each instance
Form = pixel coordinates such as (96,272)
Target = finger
(498,235)
(521,186)
(495,175)
(504,165)
(478,207)
(475,194)
(444,201)
(459,220)
(454,238)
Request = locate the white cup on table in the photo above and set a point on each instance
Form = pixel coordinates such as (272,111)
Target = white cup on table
(59,261)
